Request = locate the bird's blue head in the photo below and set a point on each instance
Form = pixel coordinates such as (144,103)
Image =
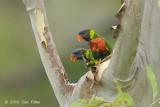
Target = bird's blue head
(84,34)
(77,54)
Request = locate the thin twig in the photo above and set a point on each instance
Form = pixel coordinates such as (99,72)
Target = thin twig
(158,100)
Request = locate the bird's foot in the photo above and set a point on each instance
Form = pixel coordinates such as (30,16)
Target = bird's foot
(94,71)
(90,76)
(98,64)
(94,75)
(90,88)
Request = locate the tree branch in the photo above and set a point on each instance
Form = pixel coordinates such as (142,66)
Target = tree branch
(48,52)
(137,45)
(130,18)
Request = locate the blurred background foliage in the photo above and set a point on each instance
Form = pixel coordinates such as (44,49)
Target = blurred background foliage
(22,76)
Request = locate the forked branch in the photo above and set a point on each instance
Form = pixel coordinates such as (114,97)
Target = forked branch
(47,50)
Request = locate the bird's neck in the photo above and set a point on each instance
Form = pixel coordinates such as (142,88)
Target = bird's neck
(93,35)
(96,35)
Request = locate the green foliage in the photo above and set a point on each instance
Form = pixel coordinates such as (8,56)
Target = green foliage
(121,100)
(93,102)
(118,87)
(81,101)
(152,80)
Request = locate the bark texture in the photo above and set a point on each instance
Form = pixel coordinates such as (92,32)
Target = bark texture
(137,46)
(48,52)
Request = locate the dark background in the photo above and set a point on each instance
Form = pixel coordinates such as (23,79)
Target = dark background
(22,76)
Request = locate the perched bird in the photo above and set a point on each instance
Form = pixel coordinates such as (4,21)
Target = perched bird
(84,54)
(99,47)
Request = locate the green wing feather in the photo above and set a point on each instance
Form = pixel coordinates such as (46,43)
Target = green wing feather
(108,46)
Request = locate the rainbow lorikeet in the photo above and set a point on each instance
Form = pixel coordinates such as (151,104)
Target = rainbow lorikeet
(84,54)
(99,47)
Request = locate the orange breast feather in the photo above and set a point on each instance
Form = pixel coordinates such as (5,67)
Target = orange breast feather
(97,45)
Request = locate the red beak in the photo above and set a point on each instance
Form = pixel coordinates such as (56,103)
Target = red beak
(75,59)
(72,56)
(79,37)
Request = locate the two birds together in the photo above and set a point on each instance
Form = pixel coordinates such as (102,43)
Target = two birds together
(99,48)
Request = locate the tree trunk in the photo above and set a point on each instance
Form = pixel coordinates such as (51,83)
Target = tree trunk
(137,46)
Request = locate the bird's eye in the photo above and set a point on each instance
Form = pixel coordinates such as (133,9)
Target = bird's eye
(83,32)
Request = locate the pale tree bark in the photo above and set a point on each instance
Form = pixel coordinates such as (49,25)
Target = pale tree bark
(137,46)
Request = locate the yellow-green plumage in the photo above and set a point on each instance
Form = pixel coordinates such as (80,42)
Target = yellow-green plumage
(86,55)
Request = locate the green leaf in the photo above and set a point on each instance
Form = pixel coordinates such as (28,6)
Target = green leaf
(152,80)
(106,105)
(87,105)
(80,101)
(92,99)
(159,2)
(123,100)
(97,101)
(118,87)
